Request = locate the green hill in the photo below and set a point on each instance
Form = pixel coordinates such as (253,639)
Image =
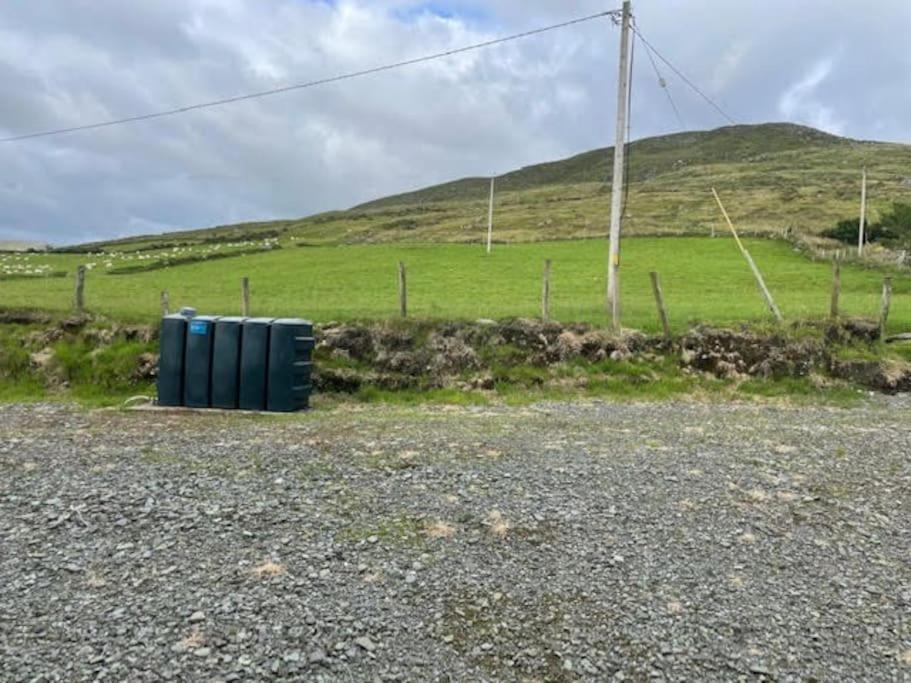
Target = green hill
(771,176)
(648,159)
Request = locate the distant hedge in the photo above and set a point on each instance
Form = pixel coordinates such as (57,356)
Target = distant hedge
(893,228)
(182,261)
(27,276)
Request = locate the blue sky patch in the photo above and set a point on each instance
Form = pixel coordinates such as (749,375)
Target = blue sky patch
(445,10)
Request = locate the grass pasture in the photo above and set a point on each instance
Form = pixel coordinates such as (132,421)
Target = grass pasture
(704,279)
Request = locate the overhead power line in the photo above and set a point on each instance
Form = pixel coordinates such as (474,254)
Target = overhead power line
(682,77)
(664,86)
(310,84)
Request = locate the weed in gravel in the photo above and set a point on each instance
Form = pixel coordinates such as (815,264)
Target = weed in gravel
(400,530)
(439,529)
(412,397)
(267,569)
(192,640)
(497,524)
(257,462)
(757,496)
(314,468)
(686,505)
(152,456)
(94,579)
(675,608)
(386,461)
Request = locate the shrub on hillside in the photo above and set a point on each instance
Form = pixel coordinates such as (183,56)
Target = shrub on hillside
(846,231)
(893,228)
(898,222)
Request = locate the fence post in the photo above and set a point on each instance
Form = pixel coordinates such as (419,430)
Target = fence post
(79,298)
(165,303)
(659,302)
(245,297)
(884,308)
(836,289)
(545,292)
(403,291)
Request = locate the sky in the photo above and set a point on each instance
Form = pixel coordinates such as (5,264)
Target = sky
(838,65)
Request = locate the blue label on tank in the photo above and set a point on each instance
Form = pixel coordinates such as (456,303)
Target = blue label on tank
(199,327)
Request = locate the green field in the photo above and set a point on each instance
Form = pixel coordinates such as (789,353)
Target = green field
(704,279)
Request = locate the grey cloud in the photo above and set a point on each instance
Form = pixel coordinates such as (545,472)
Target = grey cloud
(68,63)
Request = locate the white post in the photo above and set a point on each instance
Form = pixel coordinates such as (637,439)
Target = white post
(616,208)
(863,213)
(490,217)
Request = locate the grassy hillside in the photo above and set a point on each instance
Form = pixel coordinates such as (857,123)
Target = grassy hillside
(771,176)
(704,279)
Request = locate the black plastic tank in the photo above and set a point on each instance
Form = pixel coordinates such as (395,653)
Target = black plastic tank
(254,363)
(197,376)
(226,362)
(290,365)
(172,346)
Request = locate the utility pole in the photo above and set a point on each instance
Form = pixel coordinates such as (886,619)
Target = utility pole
(863,213)
(616,207)
(490,216)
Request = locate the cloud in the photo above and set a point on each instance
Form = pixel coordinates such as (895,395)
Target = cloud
(728,66)
(65,64)
(800,102)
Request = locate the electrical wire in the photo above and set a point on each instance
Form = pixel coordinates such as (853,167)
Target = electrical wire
(682,77)
(664,86)
(629,126)
(310,84)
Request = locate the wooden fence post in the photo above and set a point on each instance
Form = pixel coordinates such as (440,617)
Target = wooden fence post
(659,302)
(165,303)
(403,291)
(884,308)
(79,298)
(245,297)
(545,292)
(836,289)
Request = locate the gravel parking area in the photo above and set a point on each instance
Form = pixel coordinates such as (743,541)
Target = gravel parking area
(558,542)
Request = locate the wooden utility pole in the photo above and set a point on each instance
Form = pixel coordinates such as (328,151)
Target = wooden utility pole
(79,294)
(767,295)
(490,217)
(245,297)
(545,292)
(616,206)
(403,291)
(863,213)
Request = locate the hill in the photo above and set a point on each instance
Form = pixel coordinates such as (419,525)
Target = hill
(772,176)
(648,159)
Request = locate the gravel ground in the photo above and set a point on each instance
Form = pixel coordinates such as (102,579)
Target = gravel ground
(553,543)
